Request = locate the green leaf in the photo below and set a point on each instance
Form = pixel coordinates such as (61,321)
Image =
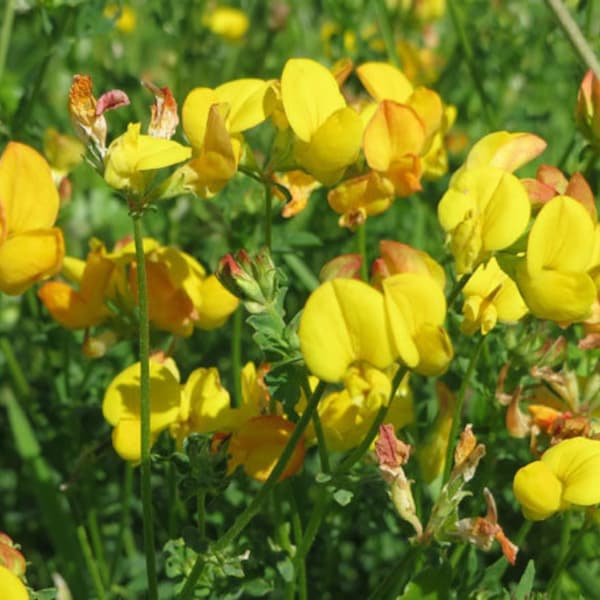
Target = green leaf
(525,584)
(286,569)
(343,497)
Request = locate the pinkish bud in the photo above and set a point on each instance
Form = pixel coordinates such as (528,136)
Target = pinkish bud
(110,101)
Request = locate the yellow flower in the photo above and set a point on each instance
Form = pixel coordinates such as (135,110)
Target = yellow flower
(125,17)
(553,277)
(491,296)
(230,23)
(132,158)
(11,586)
(347,415)
(213,121)
(121,405)
(346,321)
(258,444)
(486,208)
(327,132)
(30,248)
(566,475)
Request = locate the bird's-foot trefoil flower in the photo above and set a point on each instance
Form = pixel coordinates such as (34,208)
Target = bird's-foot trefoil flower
(30,247)
(565,477)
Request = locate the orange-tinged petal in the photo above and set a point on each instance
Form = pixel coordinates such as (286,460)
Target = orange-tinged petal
(28,196)
(310,95)
(504,150)
(562,237)
(343,321)
(333,146)
(28,257)
(384,81)
(194,114)
(258,445)
(249,102)
(394,131)
(70,308)
(122,397)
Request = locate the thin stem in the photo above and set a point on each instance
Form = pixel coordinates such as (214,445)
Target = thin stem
(5,33)
(396,575)
(320,508)
(321,443)
(365,444)
(91,563)
(253,508)
(465,45)
(268,213)
(298,535)
(125,519)
(361,244)
(14,368)
(384,22)
(97,546)
(460,400)
(201,512)
(145,467)
(236,356)
(457,289)
(564,552)
(575,35)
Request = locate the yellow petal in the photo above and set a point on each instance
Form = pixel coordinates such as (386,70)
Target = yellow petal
(248,100)
(558,296)
(122,397)
(208,400)
(384,81)
(194,114)
(11,586)
(28,257)
(156,153)
(576,462)
(334,146)
(394,131)
(538,490)
(310,95)
(342,322)
(562,237)
(28,196)
(217,304)
(127,439)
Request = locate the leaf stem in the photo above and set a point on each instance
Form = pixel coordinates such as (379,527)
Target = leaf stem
(144,351)
(253,508)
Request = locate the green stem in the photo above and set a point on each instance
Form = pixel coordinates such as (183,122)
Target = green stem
(575,35)
(564,551)
(457,23)
(91,562)
(268,214)
(254,507)
(456,290)
(361,244)
(145,467)
(321,443)
(397,574)
(97,546)
(201,512)
(14,368)
(236,356)
(5,33)
(320,508)
(460,400)
(298,535)
(384,22)
(124,521)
